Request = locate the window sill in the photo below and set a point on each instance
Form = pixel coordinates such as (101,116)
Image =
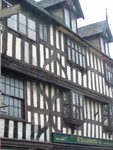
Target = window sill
(72,64)
(72,121)
(108,128)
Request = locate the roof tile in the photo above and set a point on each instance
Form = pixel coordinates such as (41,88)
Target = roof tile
(92,29)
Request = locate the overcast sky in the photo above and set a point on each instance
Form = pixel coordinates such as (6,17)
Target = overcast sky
(94,11)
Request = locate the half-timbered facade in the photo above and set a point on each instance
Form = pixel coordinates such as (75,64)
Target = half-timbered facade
(56,80)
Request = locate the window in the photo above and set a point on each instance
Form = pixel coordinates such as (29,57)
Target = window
(73,110)
(108,116)
(76,53)
(70,20)
(43,31)
(104,46)
(13,96)
(109,73)
(23,24)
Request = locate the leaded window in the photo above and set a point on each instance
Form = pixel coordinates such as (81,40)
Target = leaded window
(73,110)
(43,31)
(70,20)
(109,73)
(13,96)
(76,53)
(108,116)
(104,46)
(23,24)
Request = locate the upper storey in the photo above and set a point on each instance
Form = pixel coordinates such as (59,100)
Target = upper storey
(66,11)
(98,34)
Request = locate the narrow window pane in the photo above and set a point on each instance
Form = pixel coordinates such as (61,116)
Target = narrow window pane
(31,34)
(22,28)
(67,17)
(12,22)
(74,112)
(41,31)
(73,23)
(31,24)
(69,53)
(73,98)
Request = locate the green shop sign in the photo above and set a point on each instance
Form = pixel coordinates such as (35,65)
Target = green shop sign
(73,139)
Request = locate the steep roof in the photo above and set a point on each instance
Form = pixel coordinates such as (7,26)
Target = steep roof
(92,29)
(48,3)
(101,27)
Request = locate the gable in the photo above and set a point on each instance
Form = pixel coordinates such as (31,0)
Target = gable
(50,4)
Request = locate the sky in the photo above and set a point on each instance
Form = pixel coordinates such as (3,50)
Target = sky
(95,11)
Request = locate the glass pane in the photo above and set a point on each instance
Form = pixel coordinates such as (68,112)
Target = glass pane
(81,100)
(74,112)
(17,83)
(67,17)
(16,92)
(45,33)
(21,85)
(20,113)
(73,99)
(6,100)
(73,23)
(77,100)
(68,42)
(105,121)
(7,80)
(31,24)
(3,87)
(69,53)
(11,101)
(12,24)
(22,19)
(3,79)
(41,31)
(105,110)
(73,55)
(12,81)
(22,28)
(80,57)
(78,114)
(81,114)
(77,58)
(15,103)
(21,93)
(16,112)
(12,91)
(31,34)
(7,89)
(11,111)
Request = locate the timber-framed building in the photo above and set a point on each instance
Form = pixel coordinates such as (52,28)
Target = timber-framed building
(57,80)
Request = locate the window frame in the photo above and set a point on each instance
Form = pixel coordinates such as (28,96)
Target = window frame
(13,97)
(79,51)
(26,25)
(68,109)
(108,117)
(70,13)
(108,70)
(43,25)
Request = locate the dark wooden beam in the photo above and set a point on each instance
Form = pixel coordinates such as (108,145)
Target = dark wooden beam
(39,74)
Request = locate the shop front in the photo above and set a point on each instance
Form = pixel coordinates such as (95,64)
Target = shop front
(73,142)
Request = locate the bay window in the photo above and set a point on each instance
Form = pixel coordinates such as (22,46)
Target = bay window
(108,73)
(73,110)
(108,117)
(76,53)
(13,96)
(23,24)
